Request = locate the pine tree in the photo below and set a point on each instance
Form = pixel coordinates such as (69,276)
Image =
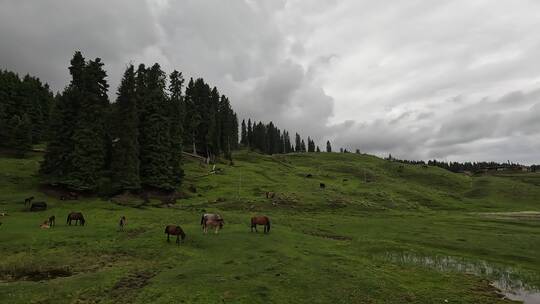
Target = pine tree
(155,169)
(311,145)
(193,117)
(243,133)
(176,121)
(89,150)
(21,135)
(58,160)
(125,144)
(303,146)
(318,150)
(213,141)
(328,146)
(297,143)
(249,134)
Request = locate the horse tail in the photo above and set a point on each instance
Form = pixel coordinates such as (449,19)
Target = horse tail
(268,224)
(202,219)
(67,221)
(166,229)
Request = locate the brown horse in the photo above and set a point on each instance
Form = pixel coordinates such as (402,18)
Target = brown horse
(260,220)
(122,223)
(52,220)
(175,230)
(45,225)
(28,201)
(217,224)
(77,217)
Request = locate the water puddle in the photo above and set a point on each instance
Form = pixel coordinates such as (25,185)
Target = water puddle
(512,285)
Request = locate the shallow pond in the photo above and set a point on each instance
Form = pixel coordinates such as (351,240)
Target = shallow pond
(511,283)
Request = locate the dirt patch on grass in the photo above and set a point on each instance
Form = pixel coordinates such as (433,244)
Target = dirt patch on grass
(328,235)
(135,232)
(127,287)
(22,274)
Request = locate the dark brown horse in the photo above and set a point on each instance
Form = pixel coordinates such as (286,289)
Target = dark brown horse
(52,220)
(175,230)
(122,223)
(28,201)
(260,220)
(77,217)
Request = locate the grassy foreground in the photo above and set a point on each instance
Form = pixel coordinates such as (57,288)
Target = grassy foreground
(332,245)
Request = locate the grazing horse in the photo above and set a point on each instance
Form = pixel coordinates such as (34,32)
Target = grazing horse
(38,206)
(270,194)
(28,201)
(52,220)
(208,216)
(69,196)
(122,223)
(175,230)
(45,225)
(260,220)
(77,217)
(217,224)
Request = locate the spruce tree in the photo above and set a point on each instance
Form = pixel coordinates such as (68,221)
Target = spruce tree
(249,134)
(297,143)
(89,147)
(328,146)
(213,141)
(58,159)
(176,121)
(243,132)
(125,142)
(21,136)
(155,169)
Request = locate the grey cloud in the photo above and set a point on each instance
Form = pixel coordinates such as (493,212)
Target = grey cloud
(453,80)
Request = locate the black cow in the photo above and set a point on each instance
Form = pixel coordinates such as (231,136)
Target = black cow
(38,206)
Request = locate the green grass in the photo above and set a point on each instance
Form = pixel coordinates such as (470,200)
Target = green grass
(325,246)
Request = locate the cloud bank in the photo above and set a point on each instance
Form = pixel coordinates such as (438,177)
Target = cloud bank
(456,80)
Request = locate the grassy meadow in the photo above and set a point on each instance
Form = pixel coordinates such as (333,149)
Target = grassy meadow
(380,232)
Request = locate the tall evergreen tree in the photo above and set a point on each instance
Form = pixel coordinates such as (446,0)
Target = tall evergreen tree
(297,143)
(249,134)
(311,145)
(155,168)
(125,144)
(89,144)
(21,136)
(243,133)
(176,122)
(328,146)
(193,117)
(58,160)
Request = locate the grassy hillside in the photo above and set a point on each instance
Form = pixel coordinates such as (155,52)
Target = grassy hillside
(380,232)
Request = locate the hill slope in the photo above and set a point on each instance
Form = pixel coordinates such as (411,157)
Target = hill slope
(379,232)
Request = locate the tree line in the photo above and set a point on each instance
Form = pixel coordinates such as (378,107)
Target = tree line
(269,139)
(136,142)
(25,106)
(458,167)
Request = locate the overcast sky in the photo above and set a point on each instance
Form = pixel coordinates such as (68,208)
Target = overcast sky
(421,79)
